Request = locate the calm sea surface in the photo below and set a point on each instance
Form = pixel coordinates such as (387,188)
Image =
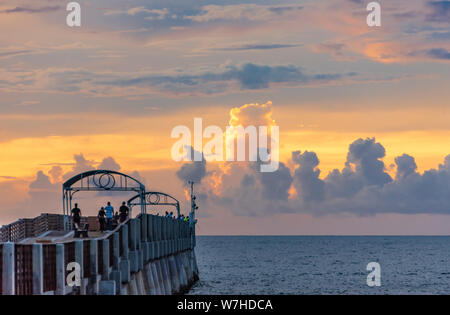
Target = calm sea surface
(322,264)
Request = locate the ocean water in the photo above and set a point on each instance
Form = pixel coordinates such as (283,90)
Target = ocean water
(322,264)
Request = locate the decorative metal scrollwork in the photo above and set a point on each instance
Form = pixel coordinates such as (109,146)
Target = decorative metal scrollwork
(153,198)
(104,181)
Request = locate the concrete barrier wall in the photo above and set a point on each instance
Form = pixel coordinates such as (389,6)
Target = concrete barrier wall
(146,255)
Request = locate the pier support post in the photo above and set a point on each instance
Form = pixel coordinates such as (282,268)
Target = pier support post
(134,260)
(141,253)
(173,273)
(159,227)
(133,234)
(93,279)
(93,257)
(116,277)
(107,288)
(79,256)
(150,280)
(124,265)
(182,277)
(105,259)
(150,251)
(60,270)
(38,270)
(138,232)
(165,276)
(166,268)
(79,259)
(150,228)
(125,270)
(156,250)
(162,228)
(144,228)
(145,251)
(8,268)
(116,250)
(125,241)
(157,280)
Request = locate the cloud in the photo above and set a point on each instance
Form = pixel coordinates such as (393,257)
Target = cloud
(81,165)
(257,47)
(337,50)
(254,77)
(361,188)
(275,185)
(109,164)
(32,10)
(306,177)
(41,196)
(439,11)
(56,173)
(435,54)
(439,53)
(366,156)
(15,53)
(151,14)
(248,76)
(249,12)
(192,171)
(406,166)
(42,182)
(444,36)
(252,114)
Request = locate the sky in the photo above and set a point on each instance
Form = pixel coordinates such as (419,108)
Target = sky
(363,112)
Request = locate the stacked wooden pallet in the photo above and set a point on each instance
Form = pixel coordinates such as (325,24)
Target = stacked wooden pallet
(24,228)
(4,233)
(17,231)
(48,221)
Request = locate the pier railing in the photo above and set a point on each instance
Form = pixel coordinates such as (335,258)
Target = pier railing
(24,228)
(105,264)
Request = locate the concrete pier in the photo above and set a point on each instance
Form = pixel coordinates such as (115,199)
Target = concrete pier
(145,255)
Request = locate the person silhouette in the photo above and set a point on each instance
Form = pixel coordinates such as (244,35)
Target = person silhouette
(109,214)
(76,216)
(123,212)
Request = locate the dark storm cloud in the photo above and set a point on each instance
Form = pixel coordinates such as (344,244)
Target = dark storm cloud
(406,165)
(444,36)
(256,47)
(253,77)
(250,77)
(16,53)
(275,185)
(366,155)
(281,10)
(109,163)
(32,10)
(227,78)
(439,53)
(307,182)
(439,11)
(192,171)
(363,187)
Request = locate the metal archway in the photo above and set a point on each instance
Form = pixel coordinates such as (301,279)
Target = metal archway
(100,180)
(155,198)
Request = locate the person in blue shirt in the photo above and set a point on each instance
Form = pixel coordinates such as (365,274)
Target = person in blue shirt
(109,214)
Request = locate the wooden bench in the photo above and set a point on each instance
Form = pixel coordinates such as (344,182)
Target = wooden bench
(81,232)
